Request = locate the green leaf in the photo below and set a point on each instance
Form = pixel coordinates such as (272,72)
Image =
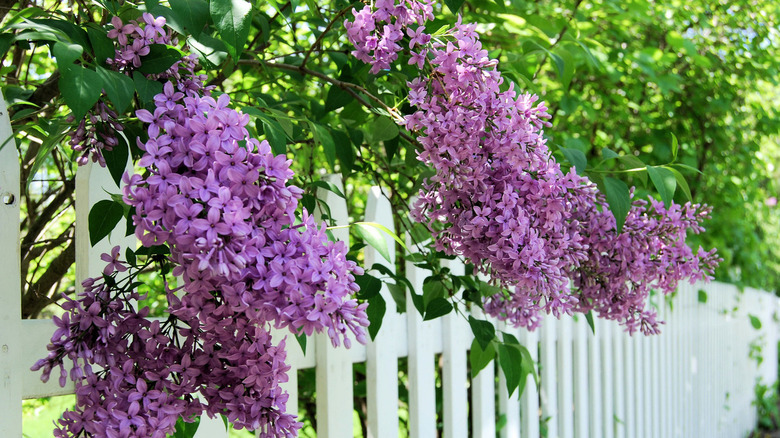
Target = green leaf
(436,308)
(102,45)
(484,332)
(56,134)
(479,357)
(383,129)
(755,322)
(329,186)
(146,88)
(323,137)
(159,59)
(302,340)
(337,98)
(369,286)
(510,360)
(387,231)
(119,88)
(664,181)
(345,152)
(373,236)
(232,19)
(81,88)
(576,158)
(702,296)
(433,288)
(609,154)
(488,290)
(211,50)
(185,429)
(103,218)
(375,312)
(116,160)
(454,5)
(66,54)
(674,147)
(398,292)
(589,319)
(619,200)
(275,136)
(681,182)
(192,14)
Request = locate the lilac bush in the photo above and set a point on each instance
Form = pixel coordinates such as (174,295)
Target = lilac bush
(500,200)
(222,203)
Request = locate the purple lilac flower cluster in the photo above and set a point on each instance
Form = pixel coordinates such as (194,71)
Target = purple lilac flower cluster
(376,32)
(616,278)
(500,200)
(220,200)
(96,132)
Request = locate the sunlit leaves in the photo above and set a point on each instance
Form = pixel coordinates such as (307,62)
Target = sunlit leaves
(232,19)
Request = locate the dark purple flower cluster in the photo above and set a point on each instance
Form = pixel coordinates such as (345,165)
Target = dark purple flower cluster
(500,200)
(220,201)
(95,133)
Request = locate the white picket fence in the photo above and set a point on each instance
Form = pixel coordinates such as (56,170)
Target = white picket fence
(694,380)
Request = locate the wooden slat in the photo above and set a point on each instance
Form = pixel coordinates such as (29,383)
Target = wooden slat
(483,399)
(549,374)
(508,406)
(606,397)
(334,367)
(455,332)
(618,420)
(381,354)
(565,380)
(422,379)
(529,400)
(583,413)
(11,336)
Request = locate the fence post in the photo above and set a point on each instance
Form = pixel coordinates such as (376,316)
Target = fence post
(10,275)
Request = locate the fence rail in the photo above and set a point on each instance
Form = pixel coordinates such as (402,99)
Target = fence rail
(694,380)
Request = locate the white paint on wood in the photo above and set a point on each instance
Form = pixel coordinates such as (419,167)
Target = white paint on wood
(455,331)
(381,354)
(565,379)
(508,406)
(583,338)
(334,368)
(529,400)
(483,398)
(12,341)
(549,375)
(422,380)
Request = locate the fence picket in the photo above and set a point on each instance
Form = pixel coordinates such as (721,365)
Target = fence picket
(529,400)
(455,332)
(565,380)
(582,417)
(549,373)
(508,406)
(382,353)
(334,368)
(483,390)
(422,380)
(11,334)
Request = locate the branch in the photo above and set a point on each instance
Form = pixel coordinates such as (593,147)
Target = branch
(37,295)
